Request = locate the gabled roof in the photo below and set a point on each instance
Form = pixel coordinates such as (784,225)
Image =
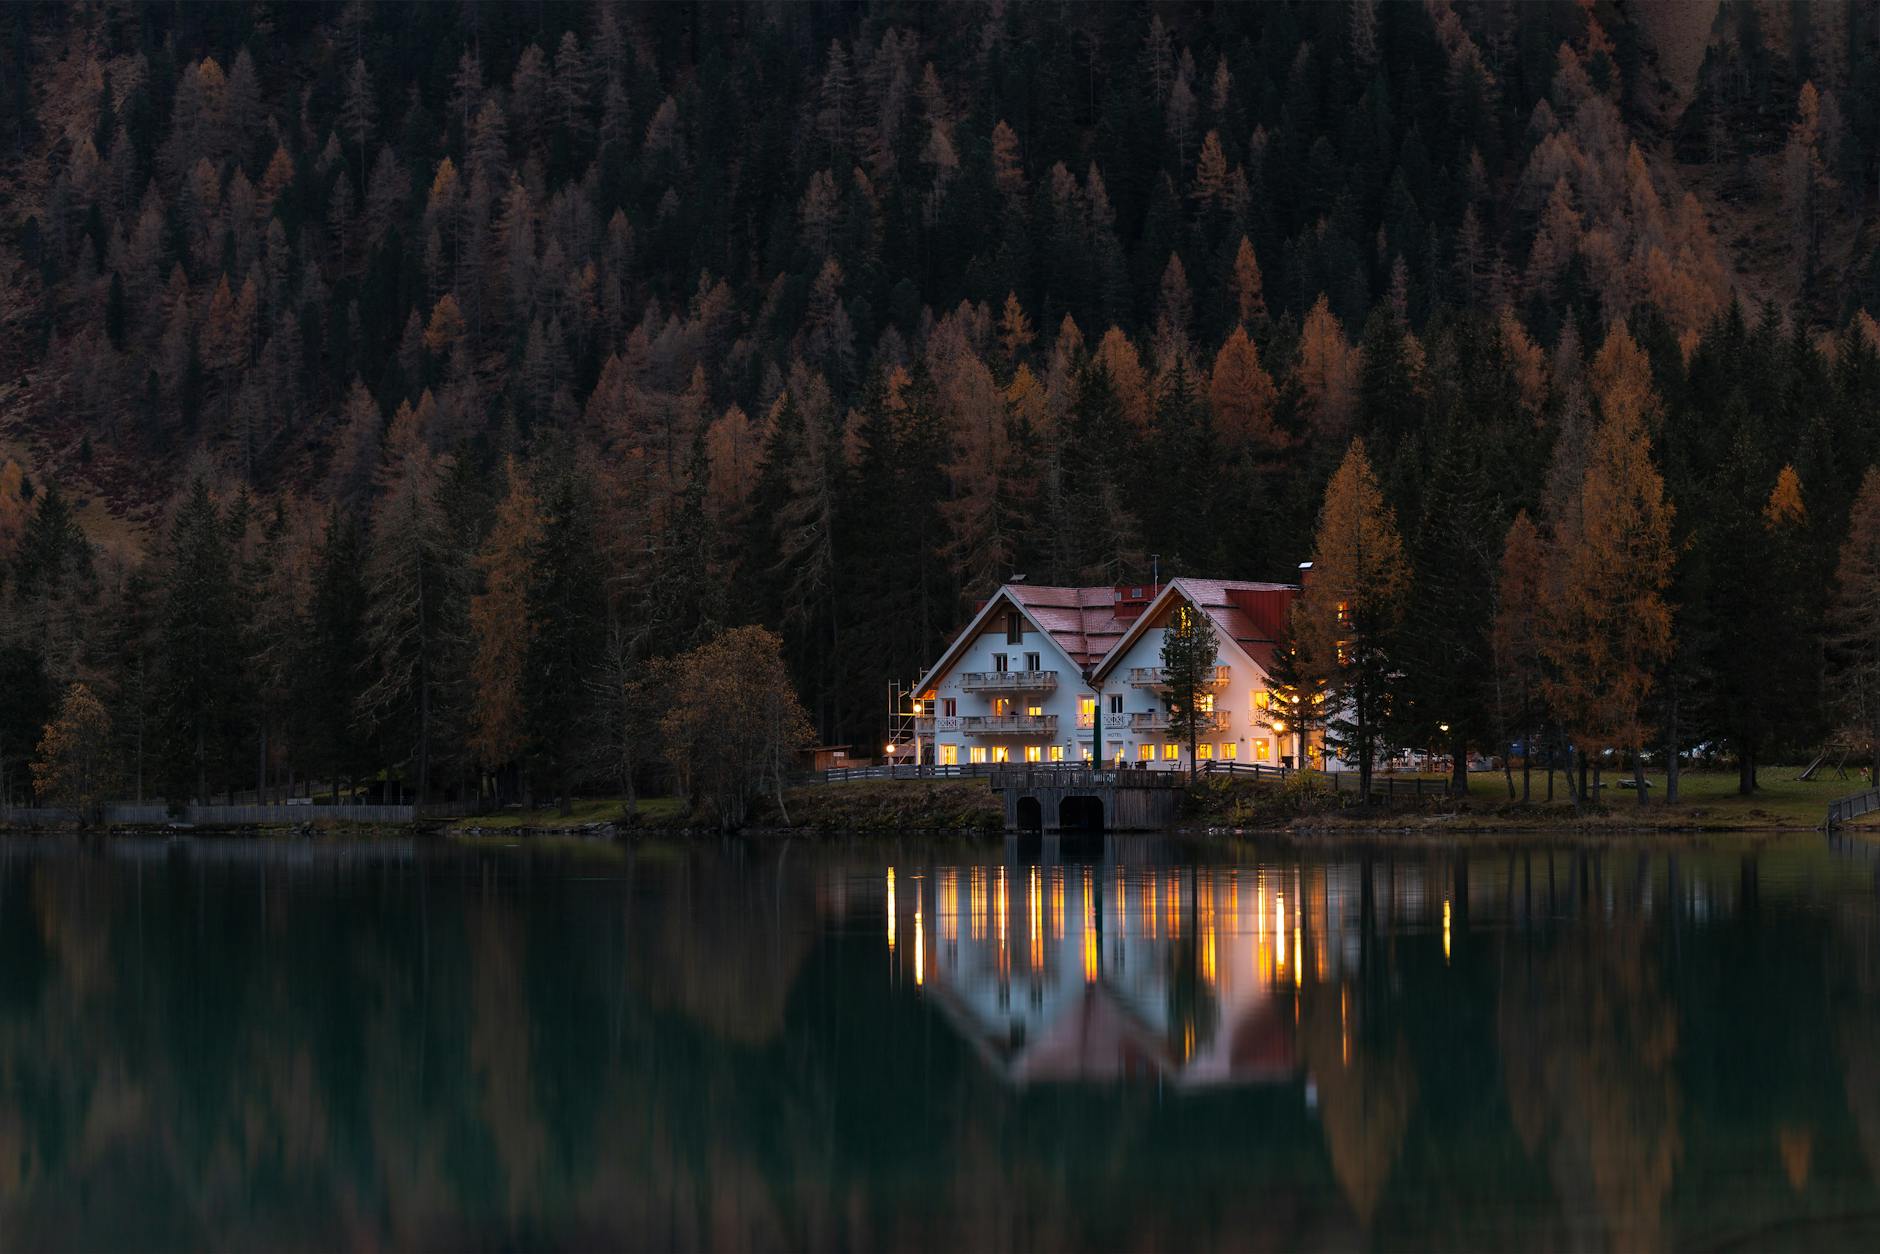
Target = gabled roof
(1247,613)
(1086,628)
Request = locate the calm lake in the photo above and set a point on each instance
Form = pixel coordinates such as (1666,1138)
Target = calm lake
(884,1043)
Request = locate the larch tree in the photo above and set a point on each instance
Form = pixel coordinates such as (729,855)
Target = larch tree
(1348,615)
(1520,589)
(75,766)
(1608,622)
(734,725)
(1190,652)
(567,632)
(500,626)
(1242,396)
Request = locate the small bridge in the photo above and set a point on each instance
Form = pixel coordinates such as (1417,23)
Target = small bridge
(1080,799)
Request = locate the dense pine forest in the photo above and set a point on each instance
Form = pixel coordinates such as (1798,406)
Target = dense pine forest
(392,390)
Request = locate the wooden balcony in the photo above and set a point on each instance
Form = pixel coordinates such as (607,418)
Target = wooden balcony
(1158,721)
(1009,724)
(1008,681)
(1157,676)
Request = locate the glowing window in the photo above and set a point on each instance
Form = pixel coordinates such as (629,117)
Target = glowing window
(1205,702)
(976,755)
(1034,710)
(1171,753)
(1057,753)
(1033,753)
(1262,699)
(1086,710)
(1001,754)
(1144,753)
(1204,753)
(1229,750)
(949,755)
(1262,749)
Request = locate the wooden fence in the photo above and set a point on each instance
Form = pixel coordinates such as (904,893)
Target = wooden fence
(240,816)
(1388,787)
(1847,809)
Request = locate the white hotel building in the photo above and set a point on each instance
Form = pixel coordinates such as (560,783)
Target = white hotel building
(1025,680)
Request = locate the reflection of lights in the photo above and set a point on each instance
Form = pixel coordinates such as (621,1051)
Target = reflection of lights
(1344,1033)
(1299,957)
(1172,900)
(890,909)
(976,901)
(1035,898)
(1148,906)
(1279,929)
(920,941)
(950,904)
(1445,931)
(1057,903)
(1002,912)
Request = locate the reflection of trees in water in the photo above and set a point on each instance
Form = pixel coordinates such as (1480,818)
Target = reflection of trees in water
(1589,1040)
(1367,1091)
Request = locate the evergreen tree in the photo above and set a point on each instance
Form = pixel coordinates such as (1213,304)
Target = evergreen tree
(567,616)
(1190,652)
(199,649)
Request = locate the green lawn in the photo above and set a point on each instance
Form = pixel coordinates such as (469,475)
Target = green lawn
(586,810)
(1782,799)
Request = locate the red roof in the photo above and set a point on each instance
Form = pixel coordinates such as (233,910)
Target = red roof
(1082,621)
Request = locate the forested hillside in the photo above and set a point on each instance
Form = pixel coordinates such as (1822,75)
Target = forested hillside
(383,387)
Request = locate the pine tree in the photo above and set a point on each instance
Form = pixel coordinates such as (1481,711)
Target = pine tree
(1190,652)
(332,656)
(198,648)
(1517,638)
(1854,618)
(500,625)
(567,617)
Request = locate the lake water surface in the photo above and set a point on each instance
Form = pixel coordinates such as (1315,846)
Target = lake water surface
(881,1043)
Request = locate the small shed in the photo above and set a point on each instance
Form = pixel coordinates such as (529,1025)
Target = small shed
(827,758)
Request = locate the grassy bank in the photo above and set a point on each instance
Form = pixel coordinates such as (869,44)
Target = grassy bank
(859,805)
(1708,802)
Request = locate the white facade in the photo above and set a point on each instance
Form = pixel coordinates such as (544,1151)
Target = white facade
(1007,691)
(1031,714)
(1239,734)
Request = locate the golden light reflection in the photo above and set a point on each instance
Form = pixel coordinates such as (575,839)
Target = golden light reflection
(1148,907)
(890,909)
(1344,1026)
(920,940)
(1172,902)
(1299,958)
(949,904)
(1035,898)
(1057,903)
(1445,932)
(976,901)
(1279,930)
(1002,916)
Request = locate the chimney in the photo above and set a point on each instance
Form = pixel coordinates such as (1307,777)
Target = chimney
(1305,575)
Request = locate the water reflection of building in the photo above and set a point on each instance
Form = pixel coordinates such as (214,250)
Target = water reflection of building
(1108,971)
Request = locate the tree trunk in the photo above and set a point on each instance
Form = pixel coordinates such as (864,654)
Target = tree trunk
(1672,764)
(1745,771)
(1638,774)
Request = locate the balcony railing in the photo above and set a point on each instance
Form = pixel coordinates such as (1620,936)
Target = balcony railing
(1009,724)
(1157,676)
(1008,681)
(1158,721)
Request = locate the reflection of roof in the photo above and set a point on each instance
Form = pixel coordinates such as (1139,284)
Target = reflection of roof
(1098,1037)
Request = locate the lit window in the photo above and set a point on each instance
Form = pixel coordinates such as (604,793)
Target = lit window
(1262,699)
(949,755)
(1204,752)
(1001,754)
(1229,750)
(1034,710)
(1086,711)
(1205,702)
(1057,753)
(1144,753)
(1086,752)
(976,755)
(1263,750)
(1001,707)
(1118,755)
(1171,753)
(1034,753)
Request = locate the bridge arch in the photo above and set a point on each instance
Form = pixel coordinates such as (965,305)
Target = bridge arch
(1030,815)
(1080,813)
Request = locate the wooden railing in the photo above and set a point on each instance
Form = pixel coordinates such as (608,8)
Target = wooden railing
(1008,724)
(1389,787)
(1008,681)
(1157,676)
(1847,809)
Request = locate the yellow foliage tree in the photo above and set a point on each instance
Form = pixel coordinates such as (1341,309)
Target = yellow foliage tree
(499,623)
(1241,394)
(73,765)
(1608,625)
(1352,604)
(734,724)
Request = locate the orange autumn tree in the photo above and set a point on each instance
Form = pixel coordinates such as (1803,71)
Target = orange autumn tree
(73,766)
(1854,616)
(1608,625)
(1520,594)
(1241,394)
(1351,607)
(499,623)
